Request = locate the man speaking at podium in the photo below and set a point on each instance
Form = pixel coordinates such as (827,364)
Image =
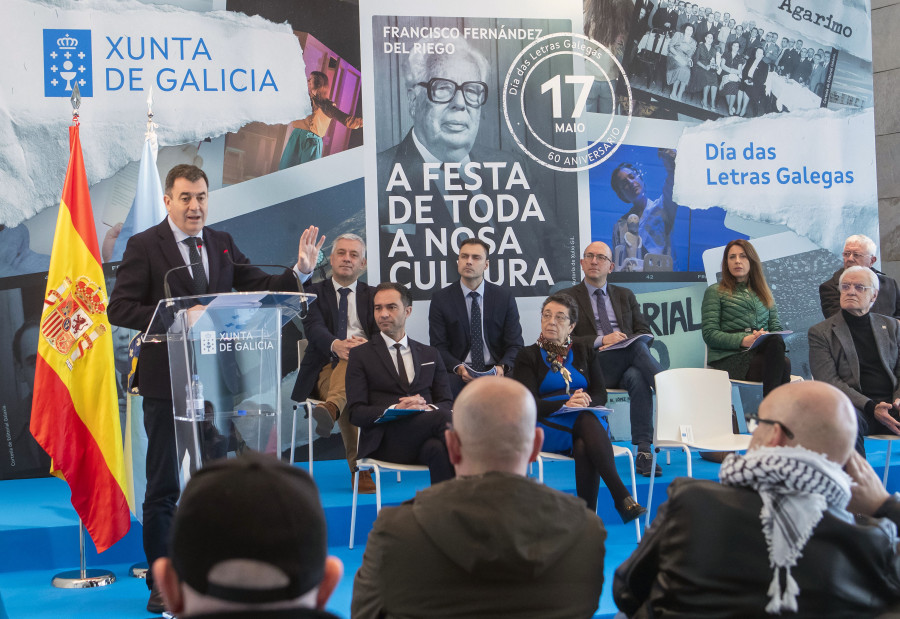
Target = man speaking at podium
(213,264)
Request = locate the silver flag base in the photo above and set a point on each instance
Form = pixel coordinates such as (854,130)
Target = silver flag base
(83,579)
(139,570)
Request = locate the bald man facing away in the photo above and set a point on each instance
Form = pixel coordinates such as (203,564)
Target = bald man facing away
(490,542)
(777,534)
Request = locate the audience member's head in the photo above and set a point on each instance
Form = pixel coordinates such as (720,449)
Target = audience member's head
(859,250)
(812,414)
(859,288)
(494,428)
(348,258)
(392,305)
(249,534)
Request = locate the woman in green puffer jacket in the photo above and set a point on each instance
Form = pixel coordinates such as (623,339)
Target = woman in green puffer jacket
(737,311)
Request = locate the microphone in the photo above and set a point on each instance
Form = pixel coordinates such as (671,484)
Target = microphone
(166,289)
(304,306)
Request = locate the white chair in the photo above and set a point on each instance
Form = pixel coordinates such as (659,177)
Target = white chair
(618,452)
(890,438)
(737,401)
(308,405)
(693,410)
(376,466)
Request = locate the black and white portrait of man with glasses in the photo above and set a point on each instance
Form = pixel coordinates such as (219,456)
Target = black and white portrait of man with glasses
(441,184)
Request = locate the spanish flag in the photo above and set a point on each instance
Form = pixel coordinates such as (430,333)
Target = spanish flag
(75,413)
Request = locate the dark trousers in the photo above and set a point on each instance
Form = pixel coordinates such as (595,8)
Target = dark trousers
(162,479)
(418,440)
(633,369)
(769,365)
(868,424)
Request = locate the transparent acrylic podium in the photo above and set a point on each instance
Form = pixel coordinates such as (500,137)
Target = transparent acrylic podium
(225,368)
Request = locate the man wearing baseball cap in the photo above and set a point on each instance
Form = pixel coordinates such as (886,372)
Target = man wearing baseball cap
(249,540)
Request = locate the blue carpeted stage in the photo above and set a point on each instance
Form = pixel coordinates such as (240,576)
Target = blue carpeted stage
(39,538)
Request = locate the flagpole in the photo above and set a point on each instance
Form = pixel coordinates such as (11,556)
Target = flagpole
(140,569)
(82,578)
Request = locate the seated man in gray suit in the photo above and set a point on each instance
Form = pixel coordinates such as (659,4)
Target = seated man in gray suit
(607,315)
(860,250)
(490,543)
(856,351)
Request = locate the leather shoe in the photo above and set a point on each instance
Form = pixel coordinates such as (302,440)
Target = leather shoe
(630,509)
(642,464)
(156,604)
(325,414)
(366,483)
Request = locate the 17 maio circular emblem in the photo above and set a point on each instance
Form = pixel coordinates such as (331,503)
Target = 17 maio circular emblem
(548,92)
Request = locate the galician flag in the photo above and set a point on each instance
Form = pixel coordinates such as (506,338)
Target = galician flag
(75,415)
(148,209)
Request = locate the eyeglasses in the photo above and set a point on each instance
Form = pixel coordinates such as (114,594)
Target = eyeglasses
(441,90)
(599,257)
(557,318)
(753,421)
(857,287)
(856,255)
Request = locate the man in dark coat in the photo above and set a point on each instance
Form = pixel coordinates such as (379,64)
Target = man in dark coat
(474,323)
(609,315)
(805,538)
(490,543)
(860,250)
(213,264)
(393,371)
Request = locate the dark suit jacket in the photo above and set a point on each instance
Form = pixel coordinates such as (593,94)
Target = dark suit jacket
(887,302)
(665,16)
(751,44)
(320,326)
(448,325)
(849,567)
(789,61)
(803,71)
(139,287)
(625,306)
(705,27)
(833,358)
(373,386)
(757,90)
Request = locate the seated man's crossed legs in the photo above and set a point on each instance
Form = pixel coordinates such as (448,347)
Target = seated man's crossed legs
(634,369)
(331,388)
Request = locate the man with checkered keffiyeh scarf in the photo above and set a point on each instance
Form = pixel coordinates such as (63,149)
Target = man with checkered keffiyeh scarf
(776,537)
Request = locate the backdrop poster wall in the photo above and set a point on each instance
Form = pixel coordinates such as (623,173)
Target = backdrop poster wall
(237,133)
(447,163)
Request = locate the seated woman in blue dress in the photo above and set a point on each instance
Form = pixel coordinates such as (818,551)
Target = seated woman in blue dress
(560,373)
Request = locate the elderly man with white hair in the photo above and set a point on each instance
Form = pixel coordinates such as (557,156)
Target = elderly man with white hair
(799,525)
(490,543)
(440,179)
(856,350)
(860,250)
